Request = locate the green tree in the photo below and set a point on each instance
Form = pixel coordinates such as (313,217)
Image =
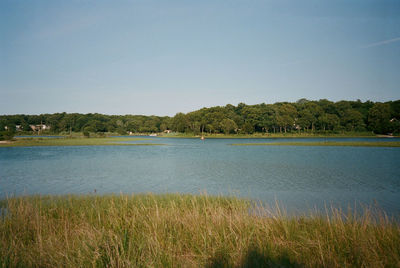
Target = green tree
(305,119)
(179,122)
(286,116)
(7,132)
(25,126)
(6,135)
(379,117)
(353,120)
(314,111)
(228,125)
(248,128)
(328,121)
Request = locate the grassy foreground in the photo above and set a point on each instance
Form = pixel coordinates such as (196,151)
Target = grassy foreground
(186,231)
(325,143)
(72,142)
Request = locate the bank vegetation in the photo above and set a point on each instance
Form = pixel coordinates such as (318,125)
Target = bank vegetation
(304,117)
(176,230)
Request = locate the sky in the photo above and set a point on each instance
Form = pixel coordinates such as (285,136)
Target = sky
(163,57)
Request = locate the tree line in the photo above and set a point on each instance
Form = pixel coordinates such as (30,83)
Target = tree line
(303,116)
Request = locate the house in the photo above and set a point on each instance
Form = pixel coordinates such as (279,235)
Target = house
(296,127)
(39,127)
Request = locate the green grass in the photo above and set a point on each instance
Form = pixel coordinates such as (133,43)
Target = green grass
(326,143)
(73,142)
(187,231)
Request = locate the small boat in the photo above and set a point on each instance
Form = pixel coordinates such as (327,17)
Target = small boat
(153,135)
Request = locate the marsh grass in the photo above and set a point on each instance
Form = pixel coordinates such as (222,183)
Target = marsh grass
(258,135)
(25,142)
(174,230)
(325,143)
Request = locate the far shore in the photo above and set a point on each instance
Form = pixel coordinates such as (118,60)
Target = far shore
(287,136)
(28,142)
(325,143)
(123,141)
(269,135)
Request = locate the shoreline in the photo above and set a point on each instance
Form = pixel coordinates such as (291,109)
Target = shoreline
(325,143)
(216,136)
(120,141)
(272,136)
(30,142)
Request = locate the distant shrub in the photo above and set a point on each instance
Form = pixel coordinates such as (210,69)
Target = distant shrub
(6,135)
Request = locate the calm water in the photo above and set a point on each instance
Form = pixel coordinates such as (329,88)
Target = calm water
(298,177)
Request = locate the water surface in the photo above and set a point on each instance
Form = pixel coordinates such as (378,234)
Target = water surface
(298,177)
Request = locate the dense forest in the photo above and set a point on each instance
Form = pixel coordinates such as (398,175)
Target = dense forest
(303,116)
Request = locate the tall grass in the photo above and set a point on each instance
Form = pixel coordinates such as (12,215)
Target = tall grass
(187,231)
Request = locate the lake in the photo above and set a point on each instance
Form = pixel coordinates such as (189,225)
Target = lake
(298,177)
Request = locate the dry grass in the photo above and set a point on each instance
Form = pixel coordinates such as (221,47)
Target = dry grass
(326,143)
(27,142)
(186,231)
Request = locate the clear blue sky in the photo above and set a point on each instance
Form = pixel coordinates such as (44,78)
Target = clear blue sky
(163,57)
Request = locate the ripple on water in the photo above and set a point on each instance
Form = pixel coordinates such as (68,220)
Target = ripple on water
(299,177)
